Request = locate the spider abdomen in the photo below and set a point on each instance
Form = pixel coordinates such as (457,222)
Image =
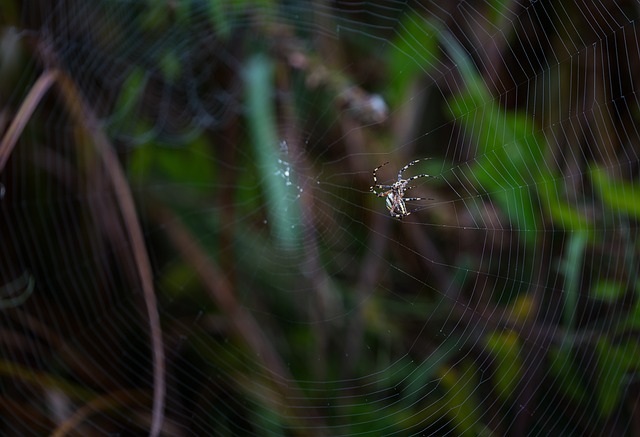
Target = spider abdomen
(396,205)
(395,200)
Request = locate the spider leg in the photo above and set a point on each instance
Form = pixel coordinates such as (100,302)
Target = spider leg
(383,194)
(403,169)
(409,199)
(375,179)
(419,176)
(386,189)
(380,166)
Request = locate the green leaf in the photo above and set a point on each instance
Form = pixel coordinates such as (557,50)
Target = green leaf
(461,399)
(283,208)
(497,11)
(219,18)
(614,363)
(571,267)
(156,15)
(412,52)
(504,346)
(170,66)
(632,321)
(188,166)
(608,290)
(509,152)
(567,374)
(562,213)
(126,107)
(618,195)
(178,280)
(424,372)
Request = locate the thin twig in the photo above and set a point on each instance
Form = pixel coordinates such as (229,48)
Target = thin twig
(29,105)
(243,322)
(113,401)
(82,114)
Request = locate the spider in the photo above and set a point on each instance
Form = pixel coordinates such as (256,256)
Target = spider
(396,191)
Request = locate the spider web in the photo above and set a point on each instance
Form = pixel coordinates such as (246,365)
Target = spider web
(280,297)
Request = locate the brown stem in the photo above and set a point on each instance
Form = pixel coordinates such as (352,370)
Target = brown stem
(83,115)
(113,401)
(243,322)
(29,105)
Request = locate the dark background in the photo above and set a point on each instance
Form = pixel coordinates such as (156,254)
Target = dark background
(190,247)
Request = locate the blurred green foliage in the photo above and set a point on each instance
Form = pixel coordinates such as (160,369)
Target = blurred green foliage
(429,357)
